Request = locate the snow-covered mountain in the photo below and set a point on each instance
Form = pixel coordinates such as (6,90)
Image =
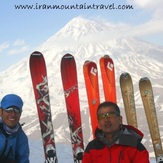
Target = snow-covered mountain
(87,40)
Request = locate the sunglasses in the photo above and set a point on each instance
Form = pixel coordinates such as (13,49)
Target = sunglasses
(11,109)
(108,115)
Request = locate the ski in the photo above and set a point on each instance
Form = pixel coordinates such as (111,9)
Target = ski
(92,88)
(70,87)
(41,92)
(127,91)
(147,96)
(108,78)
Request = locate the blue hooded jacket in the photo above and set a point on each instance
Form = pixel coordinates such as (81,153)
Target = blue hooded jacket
(14,147)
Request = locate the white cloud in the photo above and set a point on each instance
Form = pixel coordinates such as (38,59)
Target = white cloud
(17,47)
(142,3)
(149,28)
(18,50)
(3,46)
(152,27)
(124,30)
(151,5)
(147,3)
(19,42)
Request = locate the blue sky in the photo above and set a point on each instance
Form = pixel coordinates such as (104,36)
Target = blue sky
(23,30)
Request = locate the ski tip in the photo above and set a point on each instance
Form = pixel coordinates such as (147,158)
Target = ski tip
(106,56)
(125,75)
(36,53)
(144,79)
(68,56)
(87,61)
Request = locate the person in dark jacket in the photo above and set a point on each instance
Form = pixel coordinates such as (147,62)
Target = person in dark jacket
(115,142)
(14,146)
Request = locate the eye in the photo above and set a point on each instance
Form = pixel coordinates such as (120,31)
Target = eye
(11,109)
(107,115)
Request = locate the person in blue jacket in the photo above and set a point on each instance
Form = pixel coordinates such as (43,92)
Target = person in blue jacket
(14,147)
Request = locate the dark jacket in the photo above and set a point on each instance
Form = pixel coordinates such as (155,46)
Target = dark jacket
(14,147)
(126,148)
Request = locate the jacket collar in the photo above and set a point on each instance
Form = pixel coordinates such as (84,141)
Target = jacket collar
(7,130)
(127,135)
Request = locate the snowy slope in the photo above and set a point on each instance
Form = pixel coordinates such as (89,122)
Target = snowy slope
(87,40)
(64,153)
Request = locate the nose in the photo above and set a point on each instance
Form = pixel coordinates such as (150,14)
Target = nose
(13,113)
(106,118)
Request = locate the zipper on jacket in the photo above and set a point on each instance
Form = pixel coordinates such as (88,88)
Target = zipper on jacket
(109,159)
(5,146)
(8,154)
(120,156)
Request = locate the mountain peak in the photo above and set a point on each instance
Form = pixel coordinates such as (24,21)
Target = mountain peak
(79,20)
(77,30)
(79,27)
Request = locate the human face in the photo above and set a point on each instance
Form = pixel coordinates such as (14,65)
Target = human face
(10,118)
(109,125)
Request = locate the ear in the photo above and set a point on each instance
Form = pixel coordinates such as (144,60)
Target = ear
(121,119)
(98,126)
(0,111)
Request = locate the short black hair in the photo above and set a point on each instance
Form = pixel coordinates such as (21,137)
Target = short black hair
(107,104)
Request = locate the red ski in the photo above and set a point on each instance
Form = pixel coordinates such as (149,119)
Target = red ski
(108,78)
(41,92)
(92,88)
(70,86)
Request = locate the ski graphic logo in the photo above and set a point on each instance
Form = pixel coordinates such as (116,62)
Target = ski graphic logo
(149,95)
(110,66)
(51,160)
(70,90)
(43,102)
(76,140)
(74,134)
(43,91)
(94,101)
(158,146)
(93,71)
(131,98)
